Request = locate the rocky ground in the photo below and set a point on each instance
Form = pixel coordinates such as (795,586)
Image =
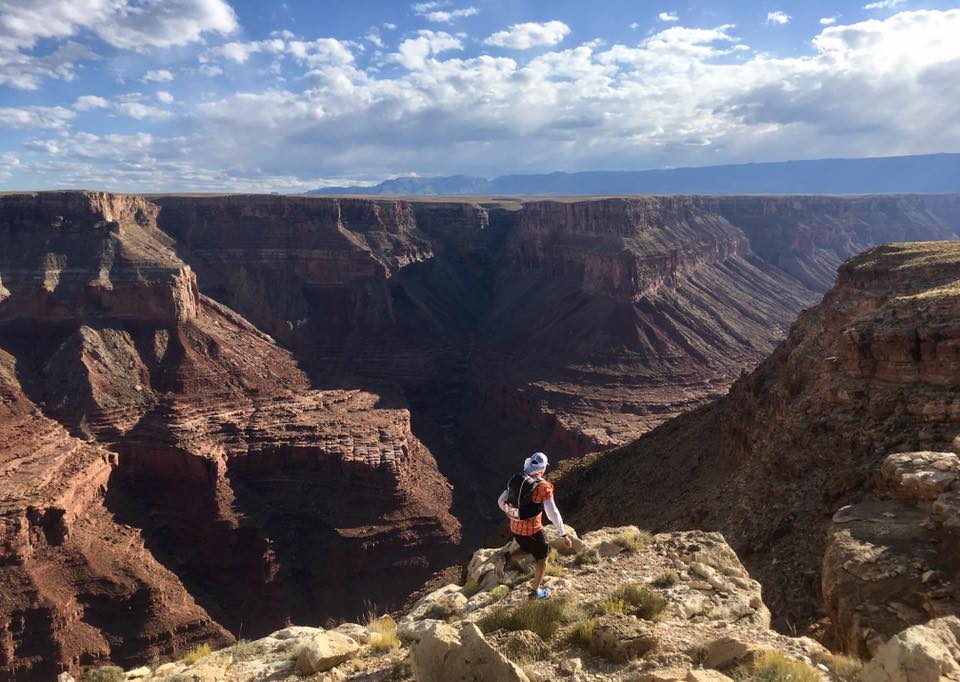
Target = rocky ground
(625,606)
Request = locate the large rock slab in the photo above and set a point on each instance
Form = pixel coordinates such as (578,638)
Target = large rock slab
(444,653)
(922,653)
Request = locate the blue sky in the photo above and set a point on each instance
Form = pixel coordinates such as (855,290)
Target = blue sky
(213,95)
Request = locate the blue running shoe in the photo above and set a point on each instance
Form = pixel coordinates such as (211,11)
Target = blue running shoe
(540,593)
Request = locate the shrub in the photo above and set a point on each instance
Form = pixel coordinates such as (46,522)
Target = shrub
(383,633)
(613,605)
(499,592)
(554,567)
(844,668)
(197,653)
(471,588)
(587,557)
(442,610)
(642,601)
(582,633)
(542,616)
(632,540)
(105,673)
(666,579)
(773,666)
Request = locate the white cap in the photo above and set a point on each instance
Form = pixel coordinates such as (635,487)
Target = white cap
(535,462)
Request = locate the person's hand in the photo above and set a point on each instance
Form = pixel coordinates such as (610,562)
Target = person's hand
(566,542)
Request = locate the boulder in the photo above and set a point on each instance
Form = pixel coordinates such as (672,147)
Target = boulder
(444,653)
(296,632)
(726,652)
(604,540)
(922,653)
(946,511)
(921,475)
(358,633)
(523,646)
(661,675)
(446,600)
(138,673)
(621,638)
(705,675)
(325,650)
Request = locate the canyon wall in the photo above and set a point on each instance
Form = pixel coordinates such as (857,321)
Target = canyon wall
(873,369)
(285,406)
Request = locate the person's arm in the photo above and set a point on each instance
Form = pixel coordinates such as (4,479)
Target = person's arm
(502,502)
(550,508)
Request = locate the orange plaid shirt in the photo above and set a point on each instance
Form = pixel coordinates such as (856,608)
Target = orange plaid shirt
(528,527)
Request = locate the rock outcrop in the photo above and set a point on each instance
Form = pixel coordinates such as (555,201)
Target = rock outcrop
(892,559)
(616,619)
(873,369)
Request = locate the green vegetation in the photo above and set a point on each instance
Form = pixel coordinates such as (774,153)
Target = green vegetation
(844,668)
(197,653)
(773,666)
(581,634)
(471,588)
(641,601)
(554,567)
(441,610)
(613,605)
(633,540)
(542,616)
(499,592)
(587,557)
(666,579)
(105,673)
(383,633)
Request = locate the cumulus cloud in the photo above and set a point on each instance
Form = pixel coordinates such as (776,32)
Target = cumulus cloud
(158,76)
(35,117)
(884,4)
(668,16)
(164,97)
(778,17)
(88,102)
(127,24)
(682,96)
(530,34)
(828,21)
(140,111)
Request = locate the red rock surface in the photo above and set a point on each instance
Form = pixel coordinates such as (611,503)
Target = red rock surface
(235,481)
(874,369)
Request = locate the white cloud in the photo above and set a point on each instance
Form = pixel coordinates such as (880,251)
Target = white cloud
(634,25)
(35,117)
(373,37)
(141,111)
(448,17)
(530,34)
(88,102)
(164,97)
(413,53)
(127,24)
(828,21)
(884,4)
(778,17)
(390,27)
(158,76)
(668,16)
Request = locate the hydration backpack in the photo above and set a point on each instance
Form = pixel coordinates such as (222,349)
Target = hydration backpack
(520,495)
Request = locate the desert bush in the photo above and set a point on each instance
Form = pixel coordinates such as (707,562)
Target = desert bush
(641,601)
(632,540)
(666,579)
(441,610)
(470,589)
(542,616)
(105,673)
(383,633)
(773,666)
(499,592)
(197,653)
(612,605)
(554,567)
(844,668)
(581,633)
(587,557)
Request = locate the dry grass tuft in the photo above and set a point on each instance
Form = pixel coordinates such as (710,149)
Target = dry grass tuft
(105,673)
(383,633)
(581,634)
(641,601)
(554,567)
(773,666)
(542,616)
(666,579)
(633,540)
(197,653)
(844,668)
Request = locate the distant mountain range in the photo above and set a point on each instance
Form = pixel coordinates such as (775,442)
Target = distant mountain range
(926,173)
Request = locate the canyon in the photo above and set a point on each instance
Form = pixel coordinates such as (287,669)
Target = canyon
(222,414)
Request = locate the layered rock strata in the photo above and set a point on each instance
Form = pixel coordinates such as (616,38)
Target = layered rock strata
(262,497)
(873,369)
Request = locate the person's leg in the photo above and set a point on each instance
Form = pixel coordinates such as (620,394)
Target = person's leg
(538,574)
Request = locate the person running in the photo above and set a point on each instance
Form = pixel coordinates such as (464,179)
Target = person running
(527,496)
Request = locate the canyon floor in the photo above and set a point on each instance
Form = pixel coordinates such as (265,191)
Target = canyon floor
(224,414)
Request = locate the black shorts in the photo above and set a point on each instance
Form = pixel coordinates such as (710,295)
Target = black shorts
(535,544)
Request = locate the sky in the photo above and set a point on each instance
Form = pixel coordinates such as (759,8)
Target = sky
(245,96)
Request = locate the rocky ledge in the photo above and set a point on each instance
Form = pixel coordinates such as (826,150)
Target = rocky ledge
(626,606)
